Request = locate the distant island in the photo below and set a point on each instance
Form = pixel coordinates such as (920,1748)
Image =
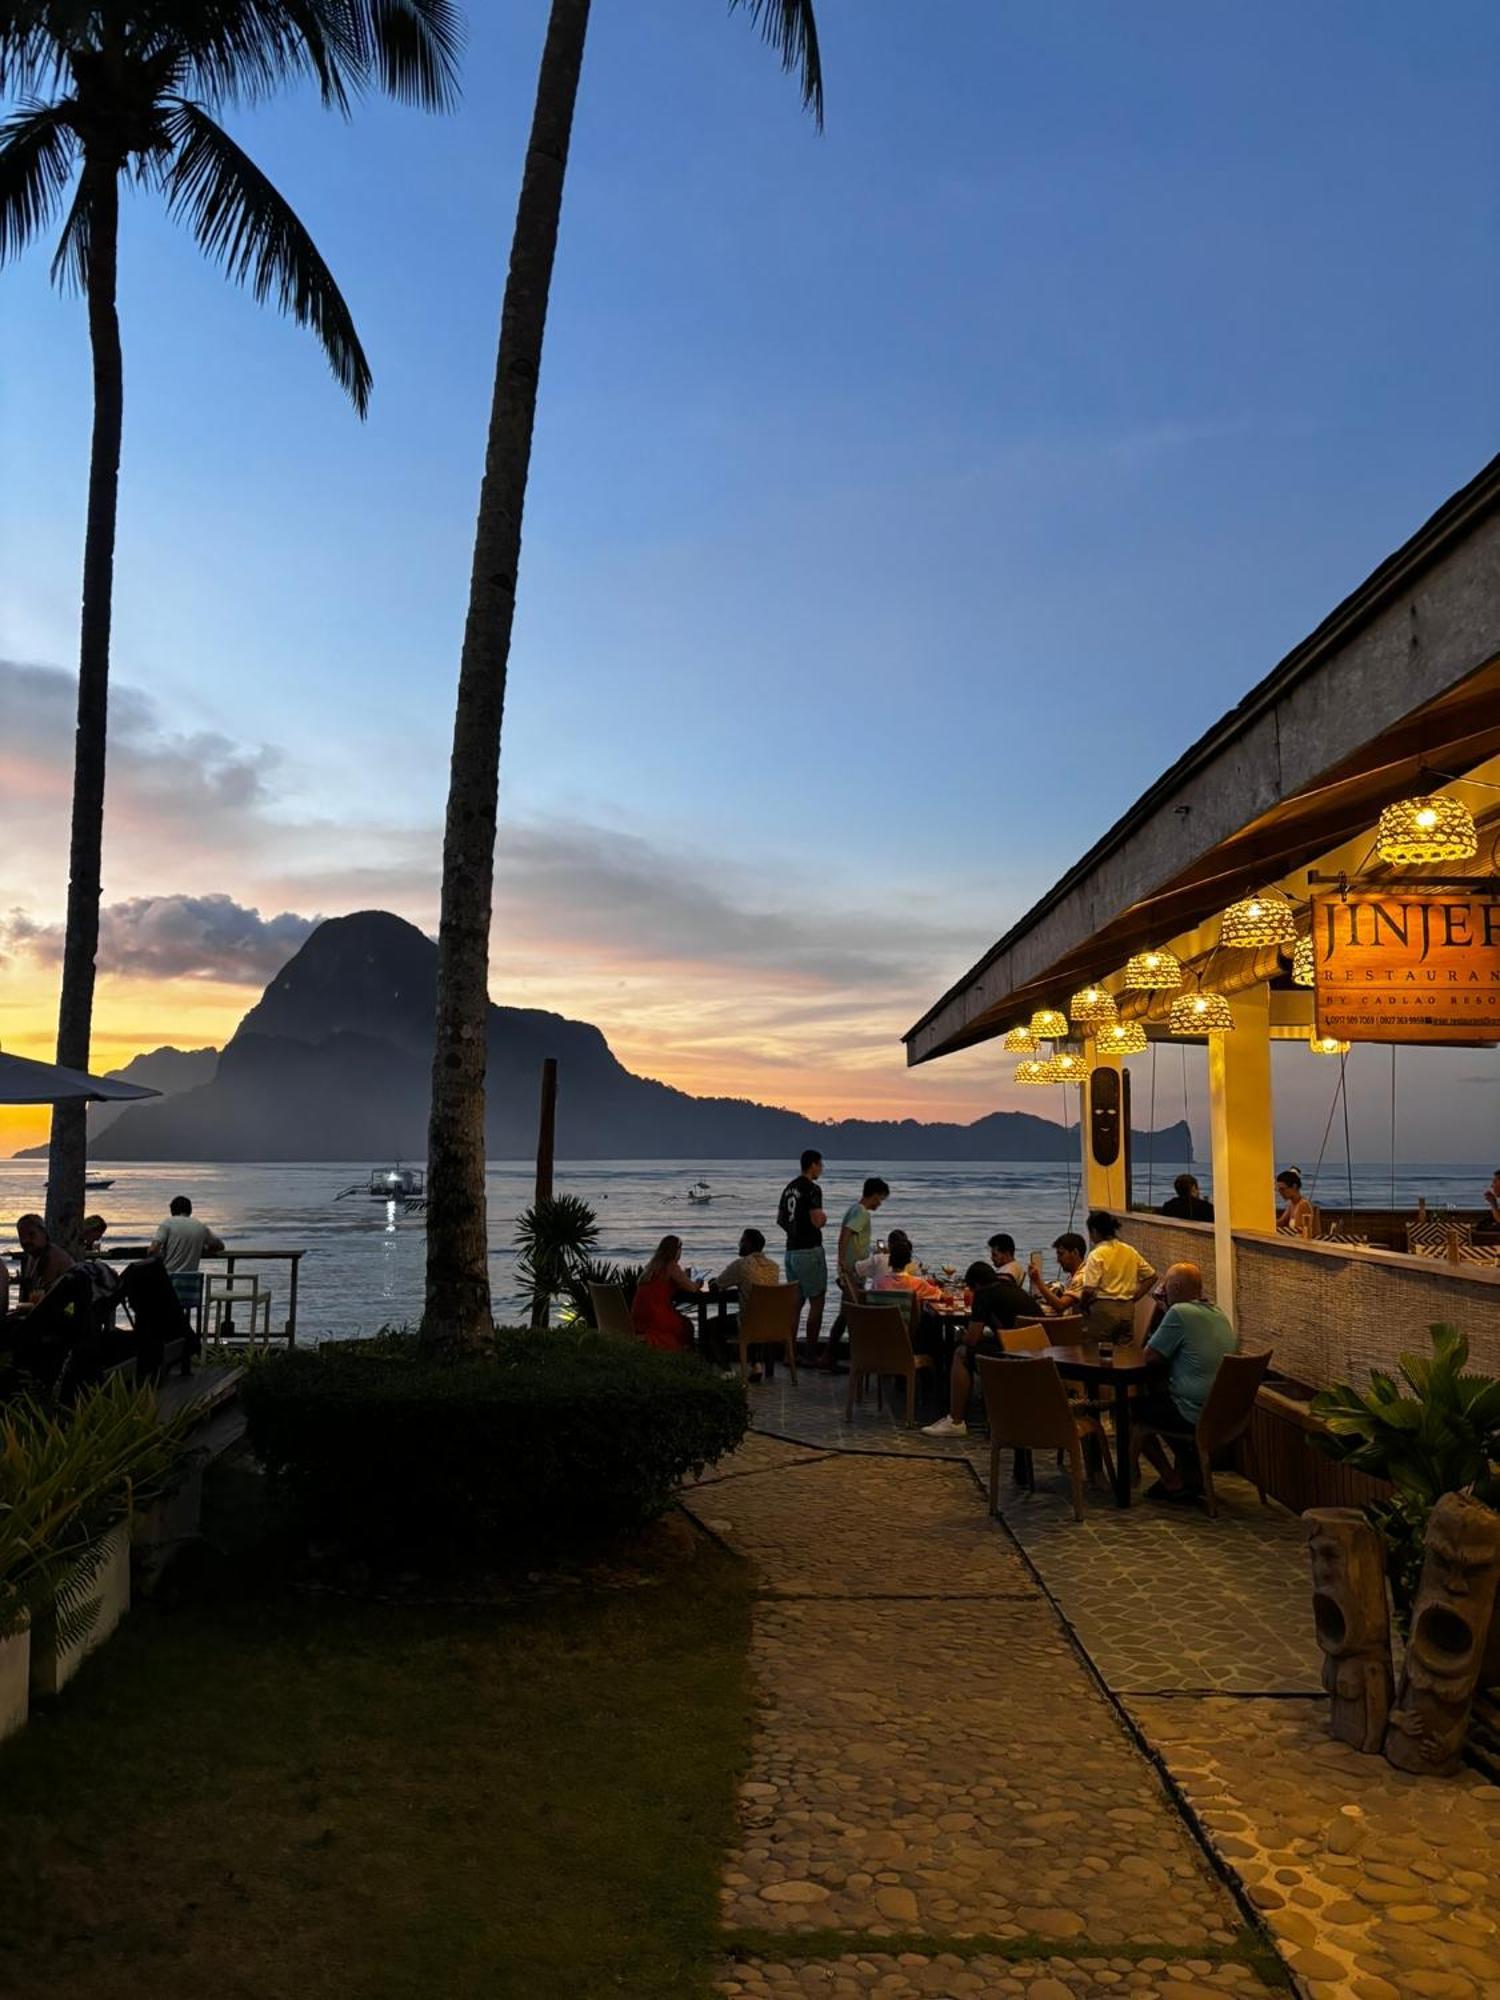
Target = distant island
(332,1063)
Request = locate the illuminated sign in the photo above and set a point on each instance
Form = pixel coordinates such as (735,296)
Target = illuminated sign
(1394,967)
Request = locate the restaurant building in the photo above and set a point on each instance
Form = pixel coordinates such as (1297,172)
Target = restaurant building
(1258,863)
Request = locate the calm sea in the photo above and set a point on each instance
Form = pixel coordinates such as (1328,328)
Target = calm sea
(363,1268)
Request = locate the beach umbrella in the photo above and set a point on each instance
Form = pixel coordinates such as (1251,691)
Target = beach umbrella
(25,1082)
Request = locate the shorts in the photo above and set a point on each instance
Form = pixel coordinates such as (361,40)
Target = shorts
(1157,1410)
(989,1346)
(808,1269)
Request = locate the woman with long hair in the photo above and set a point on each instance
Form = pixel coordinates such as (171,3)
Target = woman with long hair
(653,1311)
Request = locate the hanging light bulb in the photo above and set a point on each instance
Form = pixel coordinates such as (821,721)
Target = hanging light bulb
(1091,1007)
(1258,920)
(1426,829)
(1033,1071)
(1327,1045)
(1048,1025)
(1020,1042)
(1121,1038)
(1068,1066)
(1200,1014)
(1302,963)
(1153,972)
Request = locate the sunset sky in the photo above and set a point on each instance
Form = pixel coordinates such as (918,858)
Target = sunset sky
(904,501)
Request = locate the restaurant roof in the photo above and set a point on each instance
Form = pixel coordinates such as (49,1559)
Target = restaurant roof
(1401,680)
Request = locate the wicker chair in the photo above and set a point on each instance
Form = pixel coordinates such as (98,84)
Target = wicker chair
(768,1318)
(1225,1420)
(1028,1410)
(879,1345)
(611,1311)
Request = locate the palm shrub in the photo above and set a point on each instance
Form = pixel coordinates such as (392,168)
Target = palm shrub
(596,1271)
(67,1477)
(555,1237)
(1440,1434)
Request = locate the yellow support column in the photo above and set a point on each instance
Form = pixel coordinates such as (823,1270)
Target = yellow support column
(1240,1134)
(1103,1187)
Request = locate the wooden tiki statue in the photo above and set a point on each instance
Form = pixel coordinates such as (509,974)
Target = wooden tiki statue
(1353,1622)
(1450,1628)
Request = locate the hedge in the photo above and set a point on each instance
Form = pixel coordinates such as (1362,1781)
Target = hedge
(557,1441)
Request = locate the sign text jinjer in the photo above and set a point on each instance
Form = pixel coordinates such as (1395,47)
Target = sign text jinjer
(1407,968)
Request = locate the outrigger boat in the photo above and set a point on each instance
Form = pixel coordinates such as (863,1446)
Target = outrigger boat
(406,1185)
(700,1191)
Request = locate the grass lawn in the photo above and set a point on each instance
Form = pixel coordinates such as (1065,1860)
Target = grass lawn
(255,1794)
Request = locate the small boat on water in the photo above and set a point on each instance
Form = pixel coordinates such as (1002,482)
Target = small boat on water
(96,1181)
(398,1183)
(700,1191)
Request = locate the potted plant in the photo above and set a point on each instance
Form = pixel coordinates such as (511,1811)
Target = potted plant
(69,1481)
(1439,1434)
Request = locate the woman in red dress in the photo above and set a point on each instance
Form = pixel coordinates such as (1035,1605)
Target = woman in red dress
(653,1311)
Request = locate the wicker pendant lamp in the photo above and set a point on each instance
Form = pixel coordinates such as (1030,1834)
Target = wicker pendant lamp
(1048,1025)
(1200,1013)
(1092,1008)
(1033,1071)
(1153,972)
(1258,920)
(1426,829)
(1020,1042)
(1068,1066)
(1302,963)
(1121,1038)
(1327,1045)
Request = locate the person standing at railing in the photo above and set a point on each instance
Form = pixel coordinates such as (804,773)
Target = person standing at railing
(182,1242)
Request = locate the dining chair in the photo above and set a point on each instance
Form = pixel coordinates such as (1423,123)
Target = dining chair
(1024,1339)
(768,1318)
(611,1311)
(1026,1404)
(1225,1421)
(880,1345)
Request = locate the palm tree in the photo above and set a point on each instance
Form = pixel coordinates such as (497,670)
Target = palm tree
(121,89)
(457,1311)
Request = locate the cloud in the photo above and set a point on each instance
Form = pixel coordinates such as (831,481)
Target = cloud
(175,937)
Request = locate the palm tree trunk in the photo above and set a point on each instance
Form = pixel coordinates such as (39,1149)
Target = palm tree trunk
(68,1154)
(458,1286)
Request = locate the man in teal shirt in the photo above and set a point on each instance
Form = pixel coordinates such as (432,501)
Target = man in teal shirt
(1184,1355)
(854,1247)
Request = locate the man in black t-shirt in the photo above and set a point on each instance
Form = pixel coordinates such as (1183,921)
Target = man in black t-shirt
(800,1217)
(1187,1203)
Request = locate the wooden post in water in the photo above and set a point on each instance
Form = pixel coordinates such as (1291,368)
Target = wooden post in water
(546,1129)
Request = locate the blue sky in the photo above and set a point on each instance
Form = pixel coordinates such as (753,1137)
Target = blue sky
(904,499)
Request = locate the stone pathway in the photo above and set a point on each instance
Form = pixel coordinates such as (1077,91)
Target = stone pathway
(940,1800)
(944,1804)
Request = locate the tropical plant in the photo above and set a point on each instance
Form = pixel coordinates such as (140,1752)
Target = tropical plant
(67,1476)
(555,1237)
(457,1310)
(580,1308)
(1442,1435)
(128,90)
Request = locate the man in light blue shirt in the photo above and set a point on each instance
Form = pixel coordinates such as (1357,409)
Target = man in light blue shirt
(1184,1355)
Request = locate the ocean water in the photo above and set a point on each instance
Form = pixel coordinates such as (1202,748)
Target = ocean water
(364,1263)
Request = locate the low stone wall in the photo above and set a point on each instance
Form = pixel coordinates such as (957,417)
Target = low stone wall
(1163,1241)
(1331,1312)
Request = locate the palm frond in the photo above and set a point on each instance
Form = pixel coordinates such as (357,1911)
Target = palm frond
(413,49)
(791,29)
(238,51)
(31,57)
(242,223)
(37,151)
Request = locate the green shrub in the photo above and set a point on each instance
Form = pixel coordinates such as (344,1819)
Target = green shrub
(554,1442)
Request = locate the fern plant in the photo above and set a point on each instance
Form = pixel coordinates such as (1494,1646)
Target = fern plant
(556,1238)
(1439,1434)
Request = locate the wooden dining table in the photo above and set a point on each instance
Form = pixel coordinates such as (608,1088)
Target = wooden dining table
(1126,1372)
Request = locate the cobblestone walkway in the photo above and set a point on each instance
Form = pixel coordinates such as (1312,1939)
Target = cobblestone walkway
(1375,1885)
(940,1801)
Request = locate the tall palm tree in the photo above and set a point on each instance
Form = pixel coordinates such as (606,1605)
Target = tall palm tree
(129,89)
(457,1311)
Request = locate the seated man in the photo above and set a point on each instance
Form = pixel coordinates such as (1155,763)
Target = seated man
(1070,1251)
(751,1267)
(1187,1203)
(1184,1355)
(43,1262)
(1002,1249)
(997,1301)
(1106,1285)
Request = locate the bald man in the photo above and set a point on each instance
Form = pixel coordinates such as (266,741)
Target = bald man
(1184,1355)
